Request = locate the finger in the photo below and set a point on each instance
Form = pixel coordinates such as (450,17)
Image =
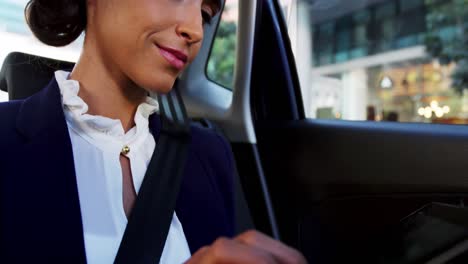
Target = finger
(281,252)
(198,256)
(232,252)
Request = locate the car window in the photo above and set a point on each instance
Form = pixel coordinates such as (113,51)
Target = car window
(382,60)
(221,63)
(16,36)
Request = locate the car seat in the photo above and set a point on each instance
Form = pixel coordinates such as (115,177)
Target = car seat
(23,75)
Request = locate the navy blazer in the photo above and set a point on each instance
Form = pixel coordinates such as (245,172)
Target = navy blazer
(39,205)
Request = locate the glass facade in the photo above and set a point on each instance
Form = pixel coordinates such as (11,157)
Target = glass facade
(377,28)
(383,60)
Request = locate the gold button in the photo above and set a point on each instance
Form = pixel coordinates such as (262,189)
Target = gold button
(125,150)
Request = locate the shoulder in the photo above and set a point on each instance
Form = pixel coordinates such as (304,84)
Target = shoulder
(7,109)
(10,138)
(8,116)
(206,199)
(213,151)
(211,145)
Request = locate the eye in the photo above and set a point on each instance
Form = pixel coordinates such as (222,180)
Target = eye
(206,17)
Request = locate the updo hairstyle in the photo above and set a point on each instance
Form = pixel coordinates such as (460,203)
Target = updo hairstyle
(56,22)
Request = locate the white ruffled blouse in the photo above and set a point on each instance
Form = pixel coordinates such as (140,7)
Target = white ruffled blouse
(97,144)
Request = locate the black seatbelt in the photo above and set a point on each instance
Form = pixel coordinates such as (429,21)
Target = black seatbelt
(151,216)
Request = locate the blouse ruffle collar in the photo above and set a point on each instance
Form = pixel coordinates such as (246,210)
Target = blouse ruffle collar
(93,124)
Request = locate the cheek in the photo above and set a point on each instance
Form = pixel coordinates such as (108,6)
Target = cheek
(195,49)
(126,34)
(128,48)
(148,69)
(116,36)
(152,74)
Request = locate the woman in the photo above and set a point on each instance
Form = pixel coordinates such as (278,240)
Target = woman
(78,150)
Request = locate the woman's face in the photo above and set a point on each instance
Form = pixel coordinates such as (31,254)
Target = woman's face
(148,42)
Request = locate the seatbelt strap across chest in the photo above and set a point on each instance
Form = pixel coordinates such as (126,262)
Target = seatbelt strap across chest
(151,216)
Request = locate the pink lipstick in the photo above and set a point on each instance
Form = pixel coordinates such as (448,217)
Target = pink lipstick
(175,57)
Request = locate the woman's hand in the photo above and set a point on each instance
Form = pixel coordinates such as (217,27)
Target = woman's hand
(249,247)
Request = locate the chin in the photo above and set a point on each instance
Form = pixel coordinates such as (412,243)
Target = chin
(159,84)
(165,89)
(159,88)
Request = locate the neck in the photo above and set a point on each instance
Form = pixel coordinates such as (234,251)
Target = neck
(107,91)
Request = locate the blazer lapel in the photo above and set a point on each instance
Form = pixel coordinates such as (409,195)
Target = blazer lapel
(48,153)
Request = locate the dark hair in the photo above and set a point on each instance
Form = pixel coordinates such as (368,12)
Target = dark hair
(56,22)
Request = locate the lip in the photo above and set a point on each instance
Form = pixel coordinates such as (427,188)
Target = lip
(176,58)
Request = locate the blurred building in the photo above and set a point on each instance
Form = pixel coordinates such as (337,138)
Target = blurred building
(375,50)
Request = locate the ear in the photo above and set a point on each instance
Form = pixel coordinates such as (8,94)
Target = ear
(90,11)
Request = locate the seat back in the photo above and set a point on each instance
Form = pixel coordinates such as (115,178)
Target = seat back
(23,75)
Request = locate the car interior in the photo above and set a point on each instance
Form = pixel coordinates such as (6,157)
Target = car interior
(339,191)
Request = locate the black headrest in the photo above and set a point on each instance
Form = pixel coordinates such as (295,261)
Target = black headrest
(23,75)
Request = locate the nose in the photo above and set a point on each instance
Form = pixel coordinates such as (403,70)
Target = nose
(190,28)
